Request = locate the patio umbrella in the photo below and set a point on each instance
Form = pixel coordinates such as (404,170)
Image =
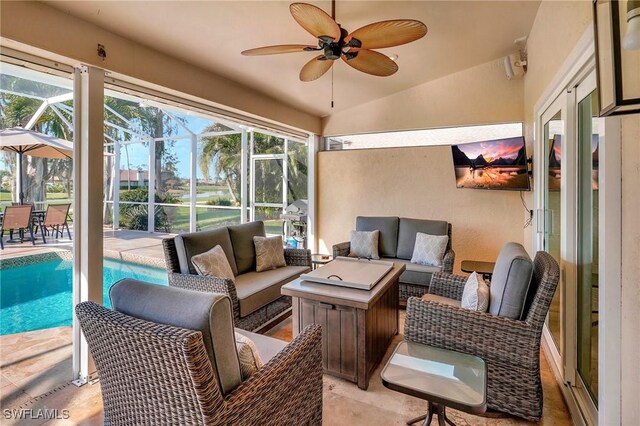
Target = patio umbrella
(23,141)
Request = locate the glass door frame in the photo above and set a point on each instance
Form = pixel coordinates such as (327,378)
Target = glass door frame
(559,104)
(584,89)
(254,158)
(565,356)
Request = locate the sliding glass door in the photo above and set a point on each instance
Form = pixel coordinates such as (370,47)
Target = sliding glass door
(590,135)
(570,137)
(551,214)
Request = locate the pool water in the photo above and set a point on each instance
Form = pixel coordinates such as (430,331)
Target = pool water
(38,296)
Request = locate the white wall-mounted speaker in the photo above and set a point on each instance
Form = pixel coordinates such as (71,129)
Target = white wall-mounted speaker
(514,66)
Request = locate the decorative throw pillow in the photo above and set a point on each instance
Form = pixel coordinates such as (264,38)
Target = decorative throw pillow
(429,249)
(248,355)
(364,244)
(475,295)
(269,253)
(213,263)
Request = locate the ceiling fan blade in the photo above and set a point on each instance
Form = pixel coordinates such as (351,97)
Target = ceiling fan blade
(315,68)
(315,20)
(387,34)
(370,62)
(281,48)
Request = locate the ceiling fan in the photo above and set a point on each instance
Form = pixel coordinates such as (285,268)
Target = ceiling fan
(334,42)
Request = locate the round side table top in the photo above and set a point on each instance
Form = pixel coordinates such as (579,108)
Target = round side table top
(321,259)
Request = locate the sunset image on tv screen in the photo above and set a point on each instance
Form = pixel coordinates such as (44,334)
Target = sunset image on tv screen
(495,164)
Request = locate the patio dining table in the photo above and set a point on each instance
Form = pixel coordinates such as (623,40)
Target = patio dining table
(36,214)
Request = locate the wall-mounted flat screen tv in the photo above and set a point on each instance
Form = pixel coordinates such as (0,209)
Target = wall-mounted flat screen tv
(494,164)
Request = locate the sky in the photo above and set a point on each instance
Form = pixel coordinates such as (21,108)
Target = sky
(139,153)
(492,150)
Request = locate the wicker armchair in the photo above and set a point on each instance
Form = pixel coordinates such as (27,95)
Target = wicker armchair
(511,348)
(255,321)
(152,373)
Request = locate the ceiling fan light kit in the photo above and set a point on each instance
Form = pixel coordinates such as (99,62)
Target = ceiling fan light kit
(355,49)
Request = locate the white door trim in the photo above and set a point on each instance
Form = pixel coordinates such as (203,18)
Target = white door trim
(610,297)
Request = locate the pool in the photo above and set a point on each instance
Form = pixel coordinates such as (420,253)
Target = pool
(37,296)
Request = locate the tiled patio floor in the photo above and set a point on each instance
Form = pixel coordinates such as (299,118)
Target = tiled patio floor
(35,367)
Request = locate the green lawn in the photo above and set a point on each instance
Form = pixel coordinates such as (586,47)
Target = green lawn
(54,197)
(210,219)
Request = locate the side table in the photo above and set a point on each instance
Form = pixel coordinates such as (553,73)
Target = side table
(442,377)
(317,260)
(484,268)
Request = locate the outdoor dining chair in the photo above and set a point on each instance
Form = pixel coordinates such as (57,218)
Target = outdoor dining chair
(56,218)
(17,218)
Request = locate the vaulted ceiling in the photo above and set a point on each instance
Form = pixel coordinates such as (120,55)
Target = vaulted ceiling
(211,35)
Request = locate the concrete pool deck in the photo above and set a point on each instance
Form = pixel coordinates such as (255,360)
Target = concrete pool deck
(119,244)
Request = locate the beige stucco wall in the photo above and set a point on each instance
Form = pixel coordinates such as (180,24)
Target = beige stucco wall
(478,95)
(556,30)
(419,182)
(412,182)
(40,29)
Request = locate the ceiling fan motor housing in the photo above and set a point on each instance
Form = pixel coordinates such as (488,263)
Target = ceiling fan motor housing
(333,49)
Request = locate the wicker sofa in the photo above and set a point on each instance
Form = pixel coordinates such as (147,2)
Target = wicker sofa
(396,242)
(255,296)
(507,337)
(173,360)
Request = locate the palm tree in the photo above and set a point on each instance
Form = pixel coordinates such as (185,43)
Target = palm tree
(223,154)
(17,111)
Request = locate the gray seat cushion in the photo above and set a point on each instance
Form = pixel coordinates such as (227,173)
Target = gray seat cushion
(209,313)
(407,230)
(268,347)
(414,273)
(191,244)
(388,227)
(244,251)
(510,282)
(257,289)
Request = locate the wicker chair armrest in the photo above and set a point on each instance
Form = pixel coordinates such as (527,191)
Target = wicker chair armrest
(297,257)
(342,249)
(447,285)
(490,337)
(448,261)
(288,386)
(207,285)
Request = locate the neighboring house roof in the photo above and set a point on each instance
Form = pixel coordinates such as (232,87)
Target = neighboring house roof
(134,175)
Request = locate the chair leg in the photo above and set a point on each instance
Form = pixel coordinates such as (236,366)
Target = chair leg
(33,237)
(68,231)
(43,230)
(1,238)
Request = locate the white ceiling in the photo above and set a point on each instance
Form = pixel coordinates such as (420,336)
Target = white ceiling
(211,34)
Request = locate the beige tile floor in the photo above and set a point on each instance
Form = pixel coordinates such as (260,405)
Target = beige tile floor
(35,369)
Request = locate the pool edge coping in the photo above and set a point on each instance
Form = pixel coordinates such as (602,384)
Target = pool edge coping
(31,259)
